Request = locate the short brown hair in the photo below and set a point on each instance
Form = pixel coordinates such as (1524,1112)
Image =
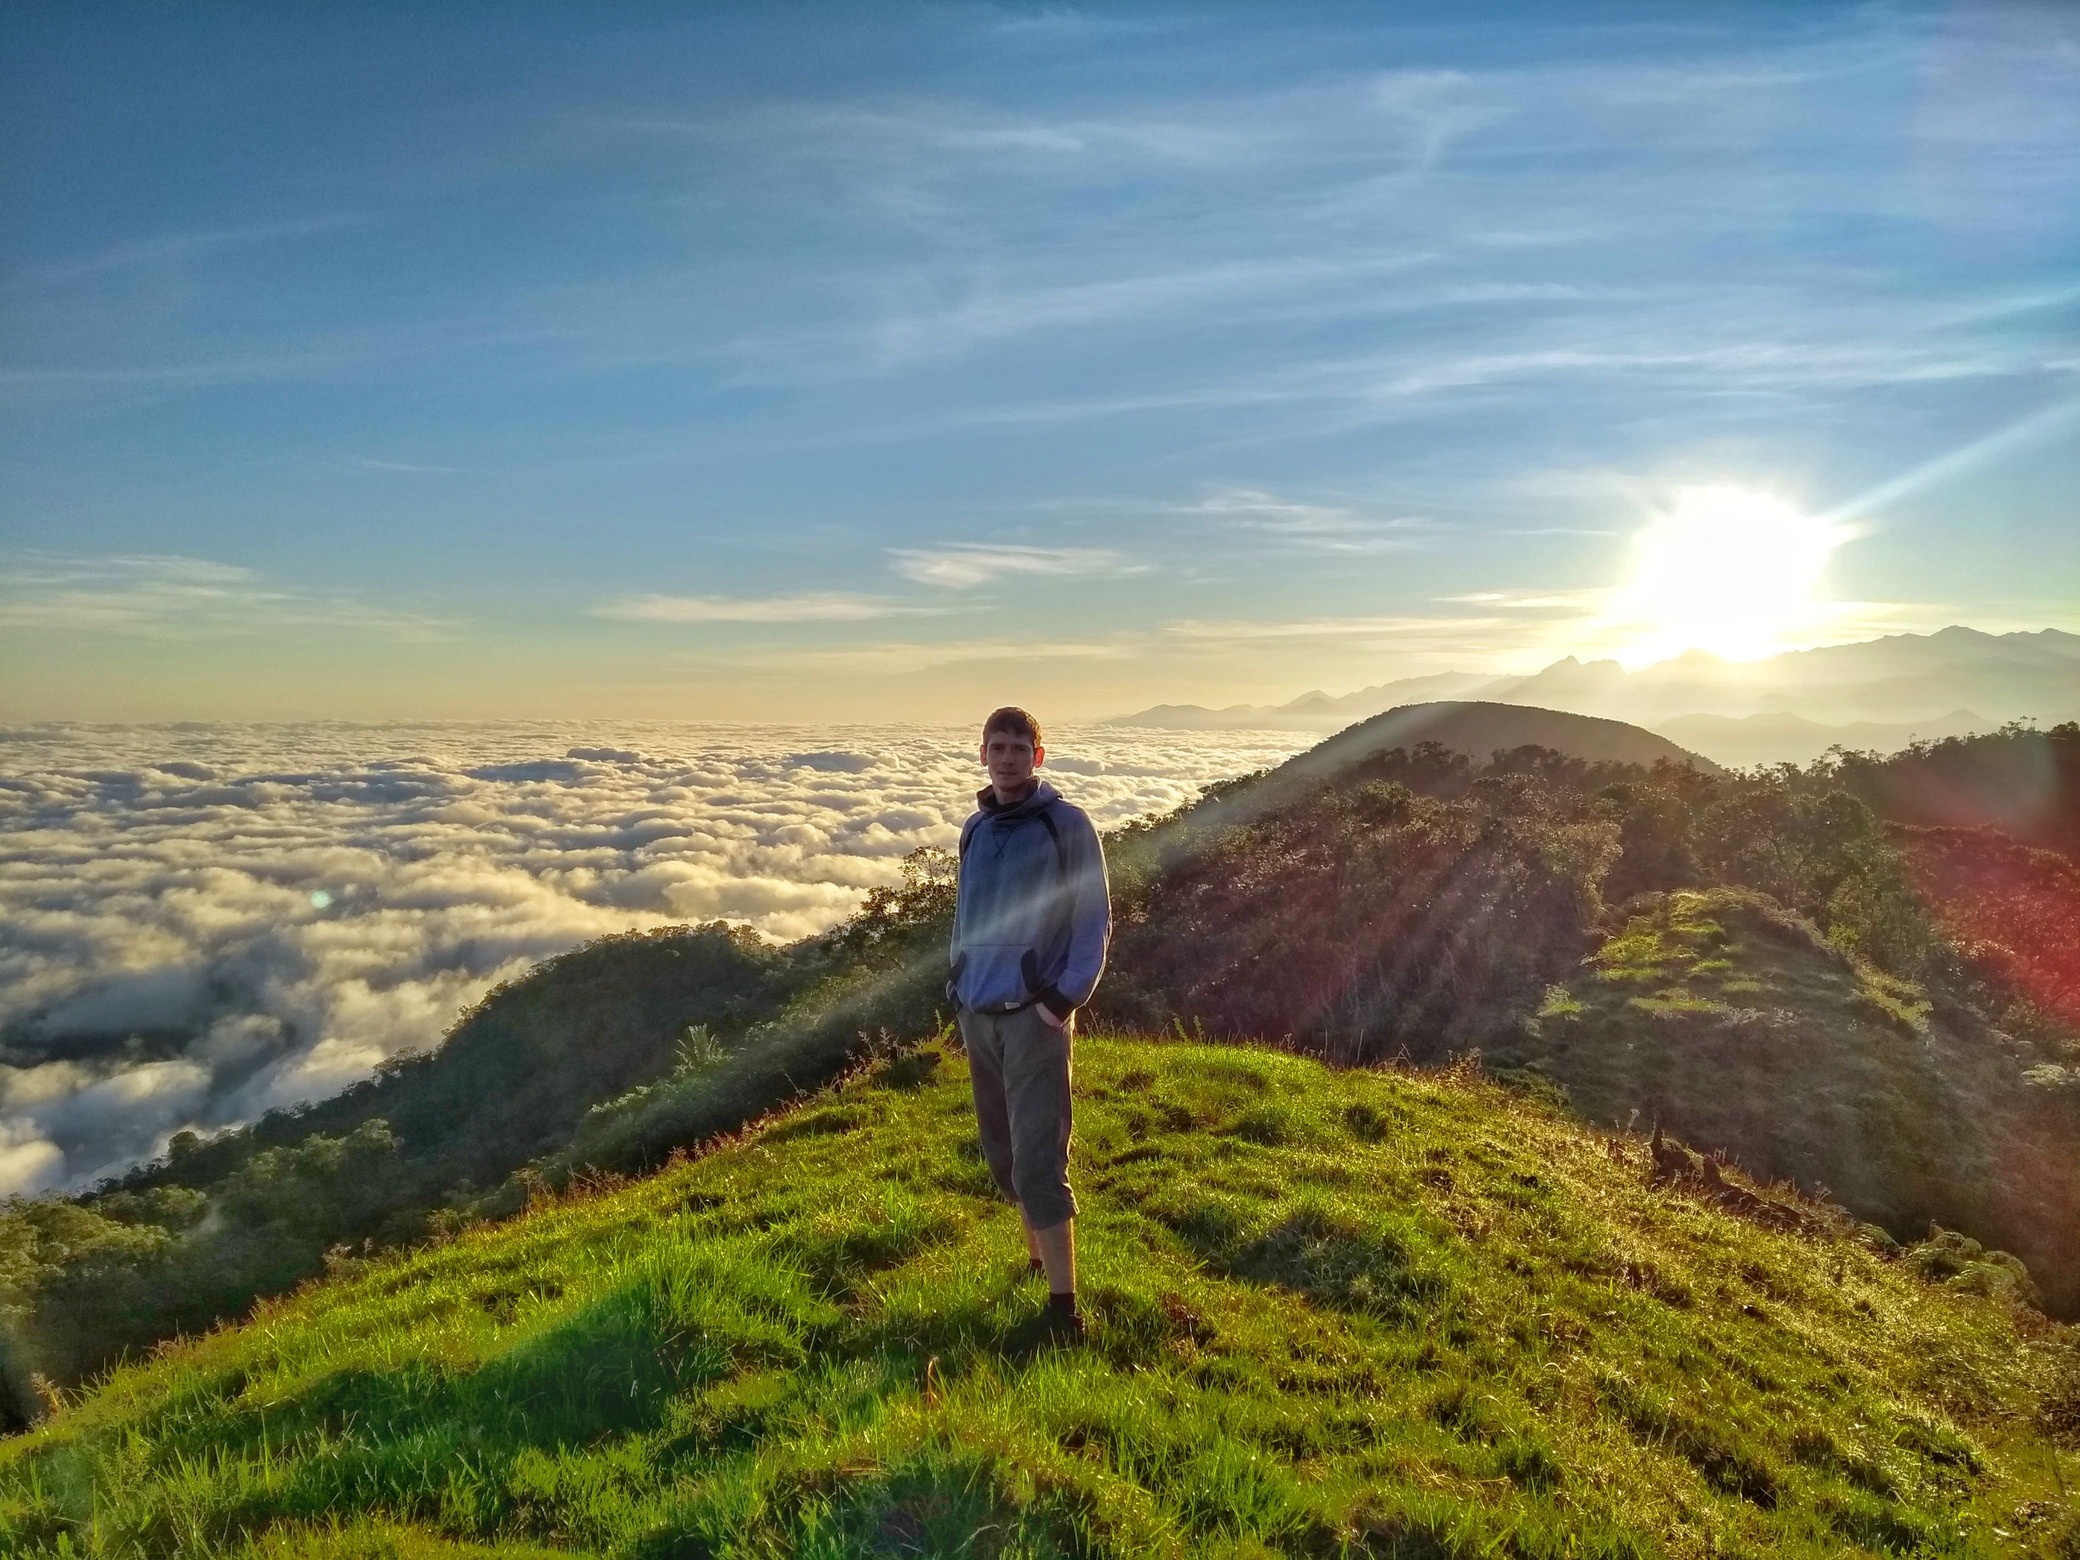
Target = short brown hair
(1014,720)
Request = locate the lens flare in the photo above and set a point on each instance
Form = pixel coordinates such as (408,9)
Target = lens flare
(1727,570)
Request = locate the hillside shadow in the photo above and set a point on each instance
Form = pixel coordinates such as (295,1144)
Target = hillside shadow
(396,1437)
(1333,1262)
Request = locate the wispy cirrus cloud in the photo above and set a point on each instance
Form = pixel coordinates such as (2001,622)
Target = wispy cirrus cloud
(156,594)
(888,658)
(1223,630)
(1581,601)
(168,248)
(1350,153)
(405,467)
(1328,527)
(963,565)
(815,606)
(921,142)
(304,363)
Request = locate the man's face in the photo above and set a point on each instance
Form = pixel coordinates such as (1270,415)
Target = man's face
(1010,760)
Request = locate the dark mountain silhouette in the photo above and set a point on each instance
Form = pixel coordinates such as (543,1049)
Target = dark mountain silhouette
(1478,729)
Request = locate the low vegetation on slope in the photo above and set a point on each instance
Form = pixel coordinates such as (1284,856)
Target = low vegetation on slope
(1366,1313)
(519,1069)
(2011,909)
(1365,919)
(1734,1024)
(2022,781)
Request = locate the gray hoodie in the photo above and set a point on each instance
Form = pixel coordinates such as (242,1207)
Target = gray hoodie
(1033,916)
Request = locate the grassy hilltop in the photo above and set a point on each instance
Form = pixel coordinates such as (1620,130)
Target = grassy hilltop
(1760,961)
(1366,1312)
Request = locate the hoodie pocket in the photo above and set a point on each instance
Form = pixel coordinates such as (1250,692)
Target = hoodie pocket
(994,975)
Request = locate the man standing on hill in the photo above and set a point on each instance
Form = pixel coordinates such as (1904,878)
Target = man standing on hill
(1030,926)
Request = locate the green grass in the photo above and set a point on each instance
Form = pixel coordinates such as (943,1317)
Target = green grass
(1362,1312)
(1731,955)
(1740,1028)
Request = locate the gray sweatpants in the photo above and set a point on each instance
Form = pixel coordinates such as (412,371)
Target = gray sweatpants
(1019,1064)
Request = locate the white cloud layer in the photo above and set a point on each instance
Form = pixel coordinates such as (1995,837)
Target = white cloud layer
(200,922)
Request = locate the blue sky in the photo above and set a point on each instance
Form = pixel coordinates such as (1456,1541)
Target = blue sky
(817,362)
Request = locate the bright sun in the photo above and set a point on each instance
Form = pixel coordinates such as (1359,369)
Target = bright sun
(1727,570)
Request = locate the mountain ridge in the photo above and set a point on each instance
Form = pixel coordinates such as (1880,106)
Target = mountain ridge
(1479,728)
(1905,681)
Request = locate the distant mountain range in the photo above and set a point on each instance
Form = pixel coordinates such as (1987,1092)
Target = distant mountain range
(1316,711)
(1878,695)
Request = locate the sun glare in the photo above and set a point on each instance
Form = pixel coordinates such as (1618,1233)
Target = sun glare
(1727,570)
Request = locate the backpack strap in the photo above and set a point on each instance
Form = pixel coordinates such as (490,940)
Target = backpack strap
(1061,851)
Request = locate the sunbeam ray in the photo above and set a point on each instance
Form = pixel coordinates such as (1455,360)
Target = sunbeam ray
(1956,462)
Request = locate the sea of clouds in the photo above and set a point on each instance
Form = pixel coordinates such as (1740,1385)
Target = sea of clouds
(200,922)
